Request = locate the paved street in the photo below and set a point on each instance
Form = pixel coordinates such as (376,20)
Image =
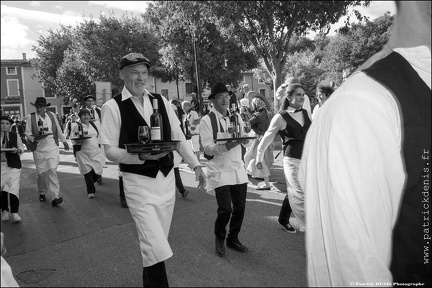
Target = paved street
(94,243)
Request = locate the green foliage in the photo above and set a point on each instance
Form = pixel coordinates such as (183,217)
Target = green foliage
(72,60)
(355,45)
(266,27)
(304,67)
(181,23)
(50,52)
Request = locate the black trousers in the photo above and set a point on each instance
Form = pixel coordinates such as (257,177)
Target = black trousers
(155,275)
(90,179)
(121,187)
(14,202)
(178,180)
(285,212)
(224,196)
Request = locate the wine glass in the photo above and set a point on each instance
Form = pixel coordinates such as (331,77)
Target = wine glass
(247,127)
(143,134)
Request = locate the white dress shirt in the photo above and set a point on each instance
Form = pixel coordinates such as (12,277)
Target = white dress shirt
(110,130)
(277,123)
(227,166)
(353,175)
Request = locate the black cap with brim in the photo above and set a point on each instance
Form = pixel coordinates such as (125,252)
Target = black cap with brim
(40,102)
(217,88)
(133,59)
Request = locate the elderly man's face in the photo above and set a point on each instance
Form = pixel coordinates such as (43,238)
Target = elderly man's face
(221,102)
(135,78)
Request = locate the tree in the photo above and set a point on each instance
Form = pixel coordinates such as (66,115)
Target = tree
(304,67)
(73,59)
(355,45)
(266,27)
(179,24)
(50,53)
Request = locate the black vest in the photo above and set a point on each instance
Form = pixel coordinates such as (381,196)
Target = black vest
(13,160)
(130,120)
(414,99)
(294,147)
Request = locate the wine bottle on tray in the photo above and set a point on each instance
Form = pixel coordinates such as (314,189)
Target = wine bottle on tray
(156,124)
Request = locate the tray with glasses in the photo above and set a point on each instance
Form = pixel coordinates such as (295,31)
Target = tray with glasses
(81,138)
(152,147)
(236,138)
(43,136)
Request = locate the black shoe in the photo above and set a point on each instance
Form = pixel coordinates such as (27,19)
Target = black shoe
(288,228)
(184,193)
(123,202)
(236,245)
(57,201)
(220,248)
(42,198)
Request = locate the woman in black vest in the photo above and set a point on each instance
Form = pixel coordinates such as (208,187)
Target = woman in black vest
(292,122)
(10,170)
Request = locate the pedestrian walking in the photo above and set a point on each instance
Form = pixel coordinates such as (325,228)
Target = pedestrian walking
(259,123)
(43,130)
(90,157)
(292,123)
(226,173)
(10,170)
(192,120)
(148,179)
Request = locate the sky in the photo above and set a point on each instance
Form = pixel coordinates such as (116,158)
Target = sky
(23,22)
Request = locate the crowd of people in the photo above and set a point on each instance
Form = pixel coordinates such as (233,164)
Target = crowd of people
(356,167)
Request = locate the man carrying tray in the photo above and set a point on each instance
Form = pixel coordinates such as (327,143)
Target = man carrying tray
(225,170)
(148,179)
(44,132)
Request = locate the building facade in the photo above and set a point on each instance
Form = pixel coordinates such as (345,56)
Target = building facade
(20,87)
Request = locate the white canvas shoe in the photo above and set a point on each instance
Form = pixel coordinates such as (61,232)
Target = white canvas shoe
(16,218)
(5,215)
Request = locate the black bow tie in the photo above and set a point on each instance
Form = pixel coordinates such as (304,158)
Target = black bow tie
(297,110)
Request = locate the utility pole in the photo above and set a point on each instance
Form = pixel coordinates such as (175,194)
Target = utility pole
(200,100)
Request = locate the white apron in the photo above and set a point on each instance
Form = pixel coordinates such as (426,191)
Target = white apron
(295,191)
(151,203)
(91,155)
(10,179)
(47,155)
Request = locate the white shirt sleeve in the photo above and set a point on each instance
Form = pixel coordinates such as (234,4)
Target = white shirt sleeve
(277,123)
(110,135)
(353,176)
(28,131)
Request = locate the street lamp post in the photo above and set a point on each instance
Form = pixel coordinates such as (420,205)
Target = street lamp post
(200,100)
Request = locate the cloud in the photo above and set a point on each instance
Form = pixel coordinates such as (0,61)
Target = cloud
(131,6)
(35,4)
(14,37)
(378,8)
(40,16)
